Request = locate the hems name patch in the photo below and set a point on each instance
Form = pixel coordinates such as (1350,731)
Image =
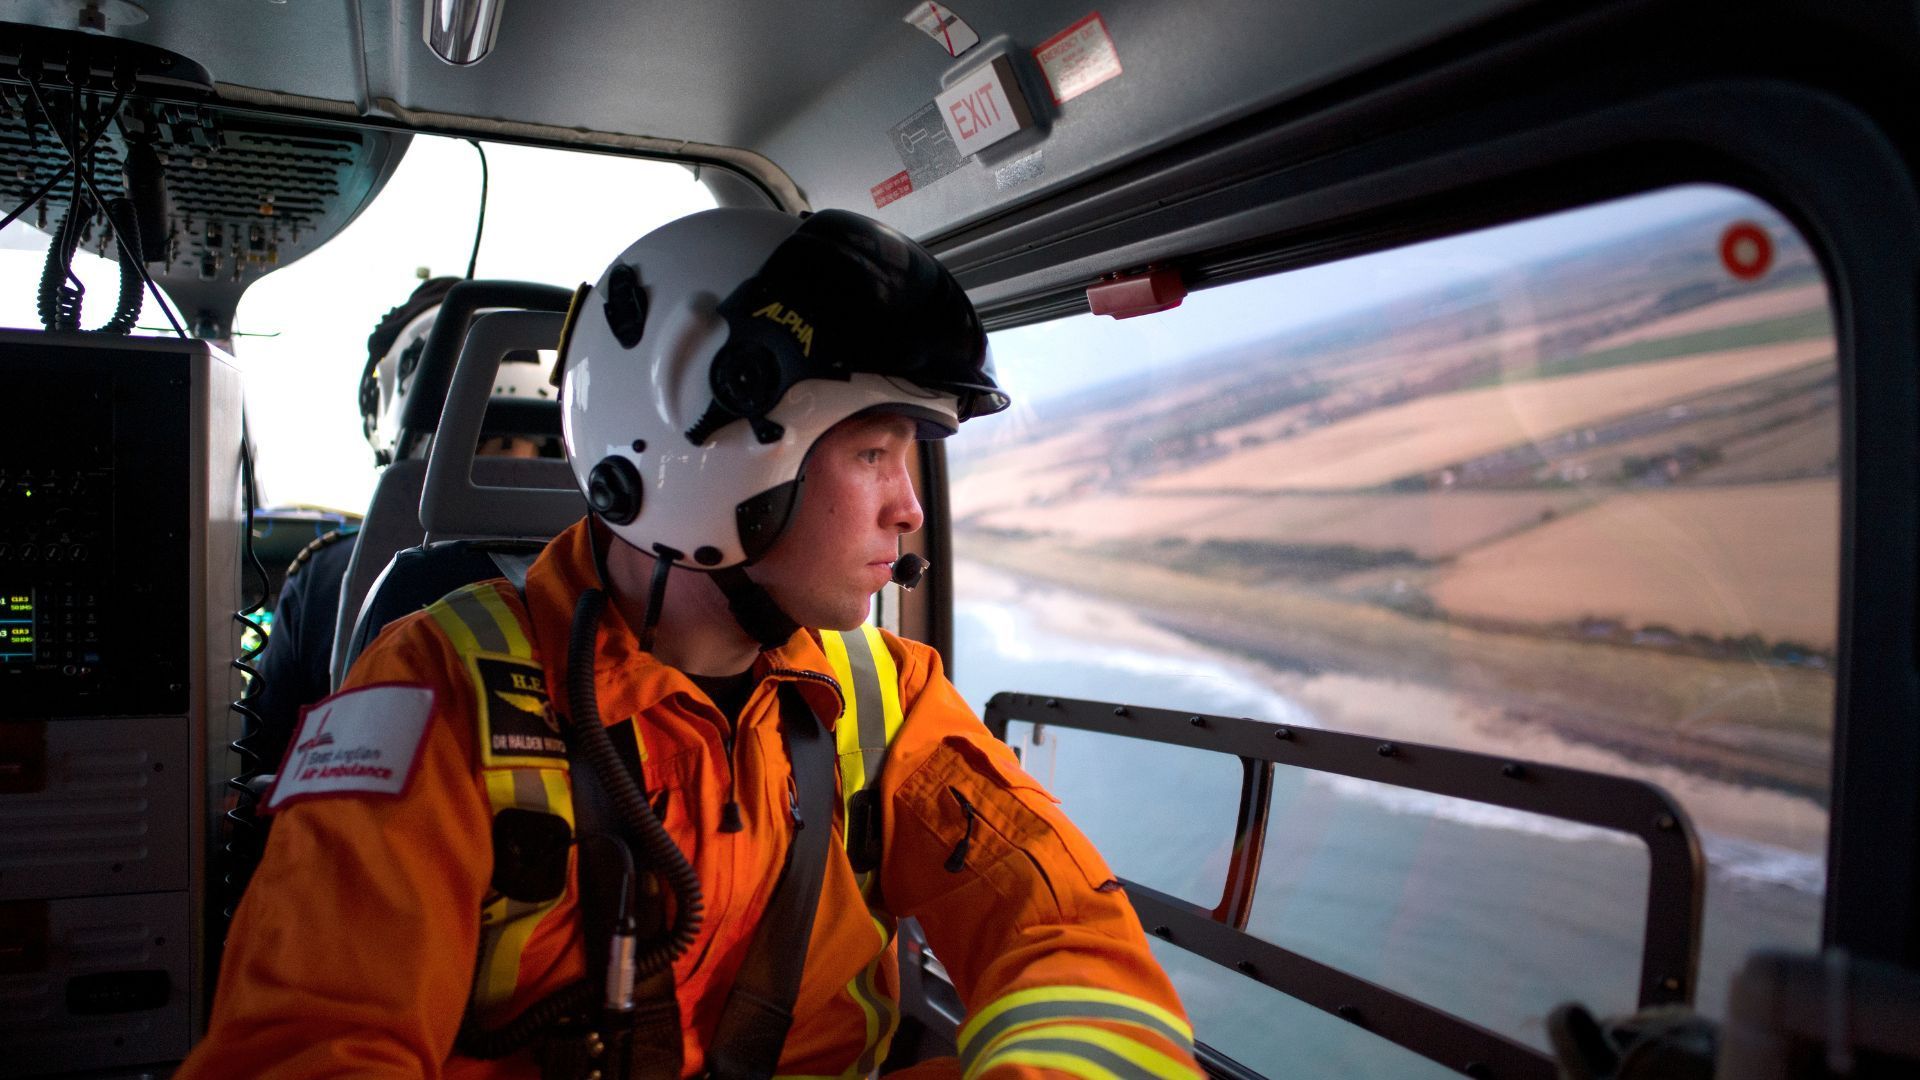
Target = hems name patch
(517,725)
(363,742)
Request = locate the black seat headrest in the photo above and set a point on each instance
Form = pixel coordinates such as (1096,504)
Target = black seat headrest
(417,577)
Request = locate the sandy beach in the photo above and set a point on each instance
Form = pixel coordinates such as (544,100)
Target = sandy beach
(1404,709)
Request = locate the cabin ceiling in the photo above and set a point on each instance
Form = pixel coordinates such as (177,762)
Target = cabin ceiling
(819,96)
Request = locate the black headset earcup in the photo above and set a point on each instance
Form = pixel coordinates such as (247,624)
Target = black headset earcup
(626,306)
(614,490)
(746,379)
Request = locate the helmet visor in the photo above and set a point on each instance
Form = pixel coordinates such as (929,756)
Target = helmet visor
(845,295)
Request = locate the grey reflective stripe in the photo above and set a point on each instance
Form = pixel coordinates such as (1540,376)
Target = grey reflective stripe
(1067,1010)
(866,693)
(529,791)
(477,619)
(1100,1056)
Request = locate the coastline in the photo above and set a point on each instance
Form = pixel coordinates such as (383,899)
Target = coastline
(1730,794)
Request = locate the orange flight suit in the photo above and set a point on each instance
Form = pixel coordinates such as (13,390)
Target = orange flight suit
(354,950)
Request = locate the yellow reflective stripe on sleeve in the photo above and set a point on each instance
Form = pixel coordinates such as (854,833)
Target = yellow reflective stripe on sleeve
(1106,1050)
(1023,1007)
(478,620)
(475,619)
(1066,1063)
(881,1012)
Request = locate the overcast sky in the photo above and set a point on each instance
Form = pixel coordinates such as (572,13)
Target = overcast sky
(553,217)
(1048,359)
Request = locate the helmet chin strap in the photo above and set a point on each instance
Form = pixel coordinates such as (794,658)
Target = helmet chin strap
(754,608)
(663,557)
(601,539)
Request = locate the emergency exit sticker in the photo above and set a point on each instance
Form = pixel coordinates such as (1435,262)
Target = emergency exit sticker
(1078,58)
(947,30)
(983,107)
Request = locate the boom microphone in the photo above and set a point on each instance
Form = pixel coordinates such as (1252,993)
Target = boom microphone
(908,569)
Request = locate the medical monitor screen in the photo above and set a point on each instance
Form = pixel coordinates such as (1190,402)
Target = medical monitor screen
(16,627)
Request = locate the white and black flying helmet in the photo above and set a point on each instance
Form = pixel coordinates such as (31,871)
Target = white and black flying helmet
(705,363)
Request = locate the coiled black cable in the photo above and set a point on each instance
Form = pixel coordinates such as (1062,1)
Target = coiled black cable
(246,836)
(58,301)
(61,294)
(83,174)
(590,738)
(126,225)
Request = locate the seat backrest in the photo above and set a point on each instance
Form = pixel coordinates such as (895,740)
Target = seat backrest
(446,339)
(455,495)
(461,500)
(420,576)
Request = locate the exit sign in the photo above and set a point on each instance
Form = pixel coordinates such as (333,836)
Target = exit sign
(984,107)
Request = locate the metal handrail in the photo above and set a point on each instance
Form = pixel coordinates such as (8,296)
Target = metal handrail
(1670,950)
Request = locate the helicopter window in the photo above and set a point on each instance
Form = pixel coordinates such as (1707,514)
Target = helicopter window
(1192,839)
(1276,1035)
(1565,490)
(553,216)
(23,257)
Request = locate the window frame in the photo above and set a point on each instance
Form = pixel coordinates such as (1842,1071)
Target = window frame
(1562,148)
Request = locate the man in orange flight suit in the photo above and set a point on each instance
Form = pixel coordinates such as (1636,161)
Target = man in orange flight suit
(390,920)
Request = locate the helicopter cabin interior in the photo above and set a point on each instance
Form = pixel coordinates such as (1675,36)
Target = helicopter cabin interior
(1453,548)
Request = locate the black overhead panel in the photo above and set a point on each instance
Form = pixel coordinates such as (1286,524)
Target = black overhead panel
(238,193)
(246,195)
(250,195)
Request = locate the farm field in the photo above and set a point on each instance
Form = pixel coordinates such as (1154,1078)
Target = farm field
(1684,559)
(1601,495)
(1383,445)
(1810,444)
(1768,725)
(1738,311)
(1430,525)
